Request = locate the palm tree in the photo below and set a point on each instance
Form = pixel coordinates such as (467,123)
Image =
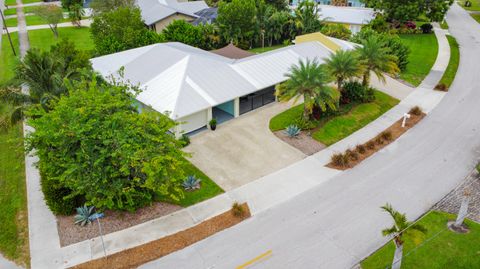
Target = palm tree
(377,59)
(310,80)
(307,17)
(400,228)
(344,64)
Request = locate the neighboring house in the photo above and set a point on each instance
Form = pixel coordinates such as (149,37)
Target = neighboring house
(354,18)
(193,86)
(348,3)
(157,14)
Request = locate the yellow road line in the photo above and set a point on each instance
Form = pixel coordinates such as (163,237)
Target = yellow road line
(256,259)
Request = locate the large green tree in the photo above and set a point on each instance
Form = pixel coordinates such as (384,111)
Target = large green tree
(95,143)
(182,31)
(410,10)
(120,29)
(52,14)
(236,20)
(100,6)
(309,80)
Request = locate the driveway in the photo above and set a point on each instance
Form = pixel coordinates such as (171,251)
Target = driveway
(243,149)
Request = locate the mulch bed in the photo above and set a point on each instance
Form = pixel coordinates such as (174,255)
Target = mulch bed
(113,221)
(132,258)
(395,129)
(303,142)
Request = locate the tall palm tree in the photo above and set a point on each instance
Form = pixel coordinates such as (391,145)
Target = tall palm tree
(344,64)
(377,59)
(307,17)
(398,230)
(310,80)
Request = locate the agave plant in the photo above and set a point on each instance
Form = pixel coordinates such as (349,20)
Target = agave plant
(292,131)
(191,183)
(84,215)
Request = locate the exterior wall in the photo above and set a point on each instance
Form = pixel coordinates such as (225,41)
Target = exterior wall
(159,26)
(193,122)
(228,107)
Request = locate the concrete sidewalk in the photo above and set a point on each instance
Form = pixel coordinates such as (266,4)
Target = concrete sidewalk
(85,23)
(261,194)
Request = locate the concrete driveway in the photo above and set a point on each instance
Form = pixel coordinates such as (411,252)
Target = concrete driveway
(243,149)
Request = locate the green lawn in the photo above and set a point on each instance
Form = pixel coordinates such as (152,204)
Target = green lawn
(262,50)
(475,5)
(444,25)
(207,190)
(359,116)
(14,2)
(424,50)
(44,39)
(447,250)
(451,71)
(7,59)
(13,201)
(12,22)
(36,20)
(10,11)
(476,17)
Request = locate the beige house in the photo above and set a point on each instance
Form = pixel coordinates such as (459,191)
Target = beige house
(157,14)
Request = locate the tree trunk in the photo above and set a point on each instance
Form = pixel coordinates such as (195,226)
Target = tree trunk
(306,111)
(397,257)
(366,79)
(339,84)
(462,213)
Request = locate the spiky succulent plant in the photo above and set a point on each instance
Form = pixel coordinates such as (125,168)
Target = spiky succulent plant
(84,215)
(191,183)
(292,131)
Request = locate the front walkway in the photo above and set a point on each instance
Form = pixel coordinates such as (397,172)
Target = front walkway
(84,23)
(243,149)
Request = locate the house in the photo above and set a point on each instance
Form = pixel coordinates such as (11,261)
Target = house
(354,18)
(157,14)
(347,3)
(193,86)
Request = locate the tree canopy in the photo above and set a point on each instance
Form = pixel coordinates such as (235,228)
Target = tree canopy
(410,10)
(96,144)
(236,20)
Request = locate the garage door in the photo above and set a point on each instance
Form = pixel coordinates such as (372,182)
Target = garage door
(193,122)
(256,100)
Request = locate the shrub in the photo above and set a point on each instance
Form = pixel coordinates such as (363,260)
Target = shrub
(468,4)
(238,210)
(379,140)
(340,160)
(370,145)
(191,183)
(351,154)
(410,25)
(185,140)
(292,131)
(441,87)
(478,167)
(58,198)
(84,215)
(426,28)
(305,124)
(416,110)
(379,24)
(337,31)
(386,135)
(354,91)
(360,148)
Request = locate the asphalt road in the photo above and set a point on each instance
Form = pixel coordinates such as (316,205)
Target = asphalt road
(339,223)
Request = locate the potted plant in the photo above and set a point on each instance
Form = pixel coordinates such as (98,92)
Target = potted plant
(213,124)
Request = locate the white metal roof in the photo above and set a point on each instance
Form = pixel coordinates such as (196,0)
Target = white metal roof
(183,80)
(157,10)
(348,15)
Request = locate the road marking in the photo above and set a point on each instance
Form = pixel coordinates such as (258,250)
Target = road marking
(261,257)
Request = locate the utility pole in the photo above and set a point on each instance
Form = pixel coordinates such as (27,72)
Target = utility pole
(8,34)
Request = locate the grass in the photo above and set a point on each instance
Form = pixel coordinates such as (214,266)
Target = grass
(12,22)
(266,49)
(14,2)
(476,17)
(424,50)
(359,116)
(43,39)
(446,250)
(10,11)
(348,119)
(452,67)
(37,20)
(13,200)
(7,59)
(444,25)
(475,5)
(208,189)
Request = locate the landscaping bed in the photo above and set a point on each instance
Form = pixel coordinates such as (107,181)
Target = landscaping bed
(303,142)
(439,248)
(132,258)
(352,157)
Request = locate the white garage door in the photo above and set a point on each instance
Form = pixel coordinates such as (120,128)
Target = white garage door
(193,122)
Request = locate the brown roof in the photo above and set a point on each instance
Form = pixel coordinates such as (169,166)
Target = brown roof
(232,52)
